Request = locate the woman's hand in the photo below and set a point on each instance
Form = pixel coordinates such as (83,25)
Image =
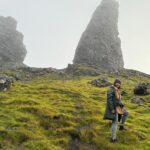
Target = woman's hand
(113,111)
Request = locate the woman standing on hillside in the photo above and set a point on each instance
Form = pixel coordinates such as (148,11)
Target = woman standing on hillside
(115,110)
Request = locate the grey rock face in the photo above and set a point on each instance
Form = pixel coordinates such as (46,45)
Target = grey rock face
(100,44)
(12,49)
(142,89)
(5,83)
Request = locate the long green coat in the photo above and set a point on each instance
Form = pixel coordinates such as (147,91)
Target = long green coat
(111,104)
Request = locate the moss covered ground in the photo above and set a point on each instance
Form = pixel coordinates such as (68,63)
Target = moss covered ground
(49,113)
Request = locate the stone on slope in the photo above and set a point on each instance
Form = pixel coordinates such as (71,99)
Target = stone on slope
(5,82)
(100,82)
(137,100)
(142,89)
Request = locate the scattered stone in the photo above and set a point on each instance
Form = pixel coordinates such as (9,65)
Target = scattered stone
(101,82)
(137,100)
(100,44)
(28,73)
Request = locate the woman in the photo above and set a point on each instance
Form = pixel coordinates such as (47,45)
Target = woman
(115,110)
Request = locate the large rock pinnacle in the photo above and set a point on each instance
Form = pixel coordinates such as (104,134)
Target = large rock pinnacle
(100,45)
(12,49)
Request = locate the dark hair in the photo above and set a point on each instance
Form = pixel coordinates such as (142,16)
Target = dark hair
(117,81)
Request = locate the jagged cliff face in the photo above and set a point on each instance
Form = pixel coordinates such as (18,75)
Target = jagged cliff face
(100,44)
(12,49)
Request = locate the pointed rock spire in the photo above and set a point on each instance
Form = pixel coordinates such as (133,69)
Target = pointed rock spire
(99,44)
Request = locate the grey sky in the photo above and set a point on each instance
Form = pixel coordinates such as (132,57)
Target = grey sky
(52,29)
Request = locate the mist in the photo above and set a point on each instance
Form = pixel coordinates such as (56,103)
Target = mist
(52,30)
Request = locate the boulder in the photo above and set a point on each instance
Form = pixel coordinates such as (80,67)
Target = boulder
(5,83)
(142,89)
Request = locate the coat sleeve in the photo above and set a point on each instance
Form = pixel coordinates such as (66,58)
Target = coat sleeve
(110,99)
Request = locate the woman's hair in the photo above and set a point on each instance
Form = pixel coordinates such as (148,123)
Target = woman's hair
(117,81)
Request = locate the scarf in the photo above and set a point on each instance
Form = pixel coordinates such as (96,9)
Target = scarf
(117,93)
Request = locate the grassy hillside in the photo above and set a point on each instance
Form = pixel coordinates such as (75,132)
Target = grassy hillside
(47,113)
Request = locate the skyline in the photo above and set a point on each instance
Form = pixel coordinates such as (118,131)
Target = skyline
(51,36)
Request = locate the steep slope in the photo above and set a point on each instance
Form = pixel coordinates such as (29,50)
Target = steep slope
(54,113)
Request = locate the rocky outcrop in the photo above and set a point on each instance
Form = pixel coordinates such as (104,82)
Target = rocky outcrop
(5,82)
(100,44)
(142,89)
(100,82)
(29,73)
(12,49)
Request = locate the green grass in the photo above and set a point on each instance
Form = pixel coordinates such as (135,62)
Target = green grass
(48,114)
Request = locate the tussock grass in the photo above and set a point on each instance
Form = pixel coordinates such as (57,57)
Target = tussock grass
(49,113)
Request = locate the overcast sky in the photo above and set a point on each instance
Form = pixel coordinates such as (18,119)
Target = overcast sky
(52,29)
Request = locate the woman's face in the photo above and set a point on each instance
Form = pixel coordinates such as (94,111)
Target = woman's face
(118,85)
